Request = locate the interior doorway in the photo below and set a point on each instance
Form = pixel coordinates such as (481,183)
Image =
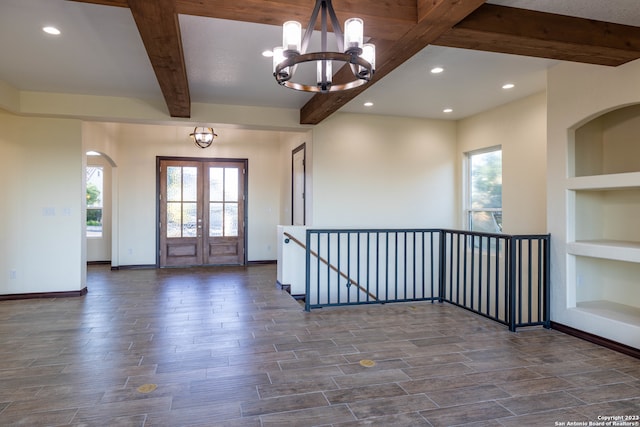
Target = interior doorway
(202,205)
(99,172)
(298,183)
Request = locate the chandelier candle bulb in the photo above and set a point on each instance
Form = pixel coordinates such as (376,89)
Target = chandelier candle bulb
(324,79)
(291,37)
(350,46)
(278,57)
(353,34)
(369,55)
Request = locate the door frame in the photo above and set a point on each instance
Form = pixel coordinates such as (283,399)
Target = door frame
(245,195)
(302,147)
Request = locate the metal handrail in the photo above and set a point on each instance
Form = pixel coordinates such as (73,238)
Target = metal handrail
(503,277)
(331,266)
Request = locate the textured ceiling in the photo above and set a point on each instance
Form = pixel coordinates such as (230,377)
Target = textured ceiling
(100,52)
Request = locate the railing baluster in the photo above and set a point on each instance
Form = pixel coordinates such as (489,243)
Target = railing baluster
(473,266)
(414,265)
(404,258)
(490,253)
(339,244)
(395,264)
(499,243)
(319,269)
(349,255)
(480,240)
(377,263)
(540,279)
(519,280)
(386,254)
(511,316)
(547,283)
(358,263)
(465,278)
(368,262)
(451,269)
(458,270)
(431,272)
(530,281)
(473,279)
(307,274)
(442,267)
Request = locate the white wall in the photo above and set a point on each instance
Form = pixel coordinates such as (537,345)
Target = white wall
(289,142)
(364,171)
(376,171)
(138,148)
(41,217)
(520,128)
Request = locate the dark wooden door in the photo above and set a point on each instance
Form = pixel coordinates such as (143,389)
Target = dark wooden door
(298,185)
(224,213)
(202,206)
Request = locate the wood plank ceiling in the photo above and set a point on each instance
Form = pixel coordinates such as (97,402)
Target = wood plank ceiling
(400,29)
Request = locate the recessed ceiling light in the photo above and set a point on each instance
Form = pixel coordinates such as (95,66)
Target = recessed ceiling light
(51,30)
(437,70)
(92,153)
(267,53)
(447,110)
(368,104)
(508,86)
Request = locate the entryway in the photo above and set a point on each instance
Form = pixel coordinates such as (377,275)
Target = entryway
(298,185)
(201,209)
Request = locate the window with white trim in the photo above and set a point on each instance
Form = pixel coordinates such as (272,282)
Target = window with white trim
(483,199)
(94,201)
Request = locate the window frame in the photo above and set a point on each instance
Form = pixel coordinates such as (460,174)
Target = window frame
(468,210)
(101,207)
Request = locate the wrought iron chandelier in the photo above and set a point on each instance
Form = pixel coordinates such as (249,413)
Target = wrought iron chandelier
(350,50)
(203,136)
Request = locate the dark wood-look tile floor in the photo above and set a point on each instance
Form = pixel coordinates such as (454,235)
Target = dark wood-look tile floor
(224,347)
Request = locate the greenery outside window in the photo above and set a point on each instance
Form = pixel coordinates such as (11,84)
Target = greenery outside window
(94,201)
(483,201)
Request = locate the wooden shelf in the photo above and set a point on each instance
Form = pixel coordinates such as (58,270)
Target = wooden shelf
(611,310)
(615,181)
(607,249)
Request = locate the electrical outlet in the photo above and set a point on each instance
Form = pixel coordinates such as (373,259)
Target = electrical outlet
(13,274)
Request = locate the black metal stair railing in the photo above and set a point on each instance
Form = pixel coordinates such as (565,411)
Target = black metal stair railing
(499,276)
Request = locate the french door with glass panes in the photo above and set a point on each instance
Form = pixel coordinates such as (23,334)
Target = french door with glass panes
(202,206)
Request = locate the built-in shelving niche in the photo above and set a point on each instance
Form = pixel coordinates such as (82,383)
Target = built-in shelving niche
(608,144)
(603,237)
(608,288)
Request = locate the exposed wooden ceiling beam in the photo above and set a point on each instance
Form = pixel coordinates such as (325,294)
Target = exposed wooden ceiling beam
(118,3)
(159,28)
(400,30)
(388,20)
(545,35)
(434,19)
